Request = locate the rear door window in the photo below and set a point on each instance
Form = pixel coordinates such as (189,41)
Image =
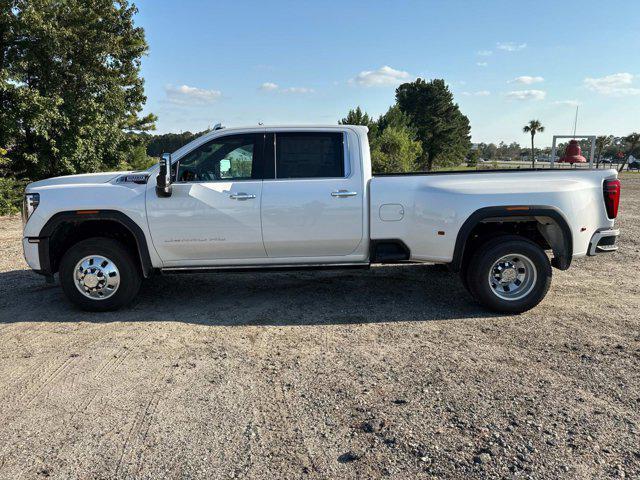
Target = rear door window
(310,155)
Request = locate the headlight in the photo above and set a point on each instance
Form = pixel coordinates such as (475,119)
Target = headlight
(29,205)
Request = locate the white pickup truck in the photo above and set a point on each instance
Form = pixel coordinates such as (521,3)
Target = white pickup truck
(304,197)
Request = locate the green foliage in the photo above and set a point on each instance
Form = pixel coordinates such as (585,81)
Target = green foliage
(138,159)
(358,117)
(70,86)
(395,151)
(169,142)
(11,191)
(441,128)
(472,157)
(533,127)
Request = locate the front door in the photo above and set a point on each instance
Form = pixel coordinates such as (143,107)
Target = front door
(213,213)
(313,207)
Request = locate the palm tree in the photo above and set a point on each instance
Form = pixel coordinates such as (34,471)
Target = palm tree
(534,127)
(602,142)
(632,141)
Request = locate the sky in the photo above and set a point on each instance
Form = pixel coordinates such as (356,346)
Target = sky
(301,62)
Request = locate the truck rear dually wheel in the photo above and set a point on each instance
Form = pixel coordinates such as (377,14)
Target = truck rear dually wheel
(99,274)
(509,274)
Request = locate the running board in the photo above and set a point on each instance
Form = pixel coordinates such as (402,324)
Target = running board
(263,268)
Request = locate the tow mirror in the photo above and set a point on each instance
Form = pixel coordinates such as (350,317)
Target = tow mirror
(163,180)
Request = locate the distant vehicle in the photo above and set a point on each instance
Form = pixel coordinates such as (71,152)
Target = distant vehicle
(634,164)
(299,197)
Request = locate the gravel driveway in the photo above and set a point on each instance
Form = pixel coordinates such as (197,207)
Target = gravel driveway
(389,372)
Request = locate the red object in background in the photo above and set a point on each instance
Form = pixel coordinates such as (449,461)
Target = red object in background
(611,191)
(573,154)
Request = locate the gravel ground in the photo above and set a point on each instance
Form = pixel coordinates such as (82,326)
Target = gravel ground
(389,372)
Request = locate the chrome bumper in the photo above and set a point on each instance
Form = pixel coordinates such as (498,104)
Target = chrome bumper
(603,241)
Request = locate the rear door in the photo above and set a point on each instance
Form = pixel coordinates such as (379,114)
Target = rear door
(312,198)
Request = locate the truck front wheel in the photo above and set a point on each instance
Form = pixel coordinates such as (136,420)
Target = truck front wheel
(509,274)
(99,274)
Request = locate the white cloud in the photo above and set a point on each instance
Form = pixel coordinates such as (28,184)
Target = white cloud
(383,76)
(527,94)
(479,93)
(269,86)
(274,87)
(482,64)
(297,90)
(184,94)
(527,80)
(485,53)
(568,103)
(511,46)
(615,85)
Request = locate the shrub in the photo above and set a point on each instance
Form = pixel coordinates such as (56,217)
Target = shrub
(11,191)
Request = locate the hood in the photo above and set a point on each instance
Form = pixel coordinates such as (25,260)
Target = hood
(84,179)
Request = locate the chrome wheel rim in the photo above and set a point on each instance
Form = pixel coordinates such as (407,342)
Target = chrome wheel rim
(512,277)
(97,277)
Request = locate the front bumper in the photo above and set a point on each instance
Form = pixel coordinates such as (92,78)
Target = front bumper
(31,252)
(603,241)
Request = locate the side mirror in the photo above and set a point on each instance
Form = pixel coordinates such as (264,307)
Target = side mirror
(163,180)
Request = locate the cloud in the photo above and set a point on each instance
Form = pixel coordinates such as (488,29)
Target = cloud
(269,86)
(479,93)
(568,103)
(384,76)
(511,46)
(485,53)
(297,90)
(615,85)
(274,87)
(482,64)
(527,94)
(527,80)
(184,94)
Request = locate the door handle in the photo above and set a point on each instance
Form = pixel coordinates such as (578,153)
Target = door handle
(242,196)
(343,193)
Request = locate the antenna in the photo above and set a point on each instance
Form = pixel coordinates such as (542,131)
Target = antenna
(575,123)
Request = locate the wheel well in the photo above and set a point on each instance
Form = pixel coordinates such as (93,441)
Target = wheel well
(548,230)
(68,233)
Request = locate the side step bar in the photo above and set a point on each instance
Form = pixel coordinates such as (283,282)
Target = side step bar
(266,268)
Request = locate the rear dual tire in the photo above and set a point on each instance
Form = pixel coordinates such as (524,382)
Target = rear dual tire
(508,274)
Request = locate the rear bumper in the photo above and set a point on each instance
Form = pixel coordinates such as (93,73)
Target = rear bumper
(603,241)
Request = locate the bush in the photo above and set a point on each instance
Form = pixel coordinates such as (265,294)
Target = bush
(11,192)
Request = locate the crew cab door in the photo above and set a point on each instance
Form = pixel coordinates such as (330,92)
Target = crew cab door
(312,198)
(214,210)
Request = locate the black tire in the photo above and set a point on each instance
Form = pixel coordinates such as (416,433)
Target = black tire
(534,288)
(129,274)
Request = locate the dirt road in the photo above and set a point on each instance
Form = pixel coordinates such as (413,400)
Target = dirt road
(389,372)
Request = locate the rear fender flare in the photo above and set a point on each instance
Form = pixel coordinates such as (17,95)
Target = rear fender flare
(562,256)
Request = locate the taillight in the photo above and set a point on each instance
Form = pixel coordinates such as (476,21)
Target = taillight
(611,191)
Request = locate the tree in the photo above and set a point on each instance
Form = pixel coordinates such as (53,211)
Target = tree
(602,142)
(472,157)
(358,117)
(71,94)
(632,141)
(533,127)
(441,128)
(395,151)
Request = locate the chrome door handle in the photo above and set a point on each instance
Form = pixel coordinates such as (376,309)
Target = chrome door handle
(242,196)
(343,193)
